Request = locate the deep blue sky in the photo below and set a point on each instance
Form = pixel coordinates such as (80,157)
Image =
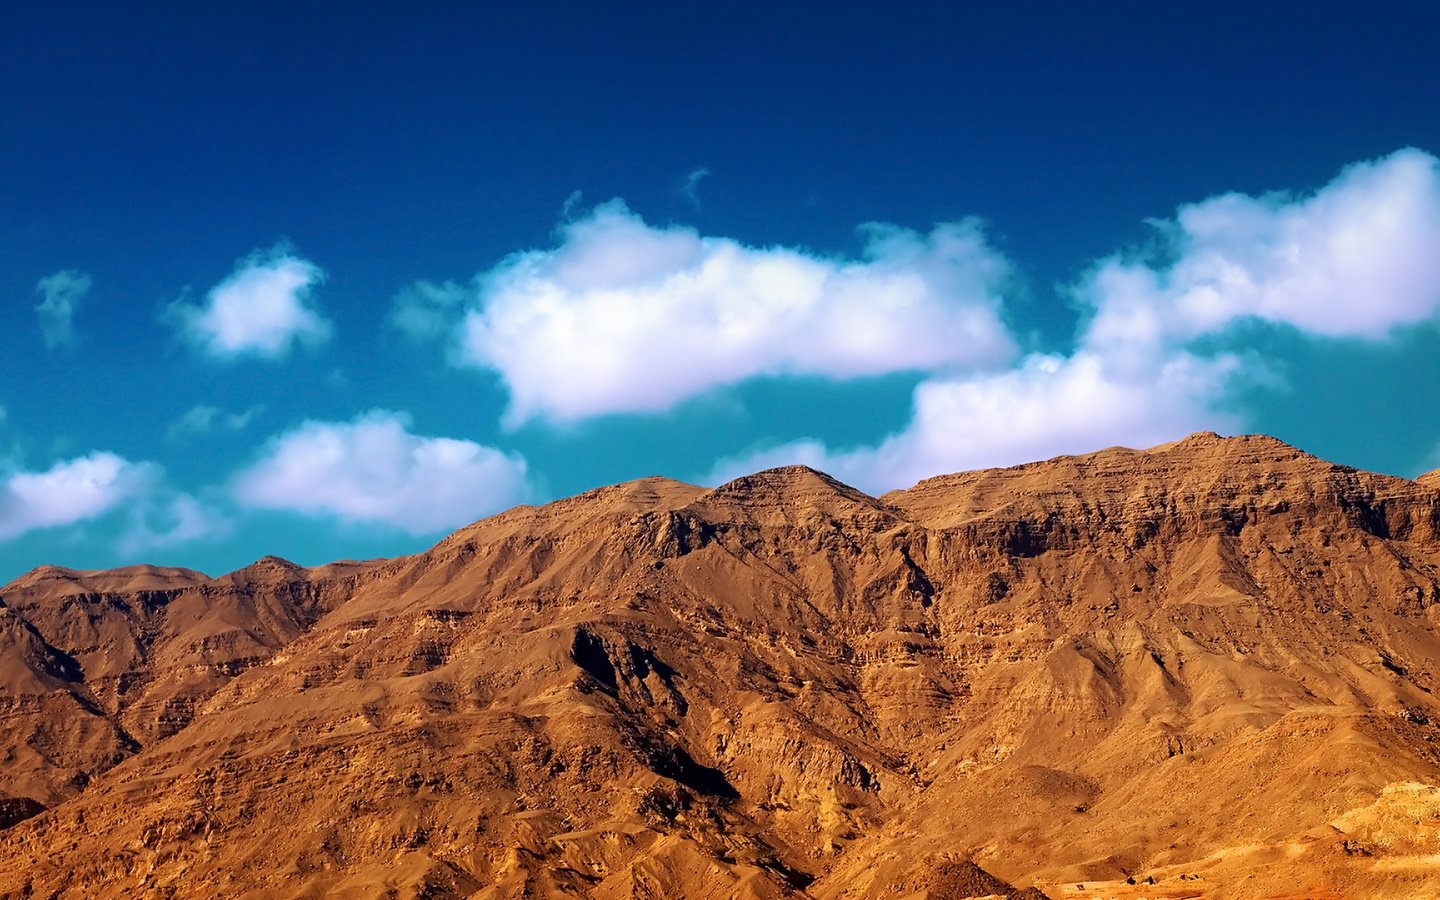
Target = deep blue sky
(152,146)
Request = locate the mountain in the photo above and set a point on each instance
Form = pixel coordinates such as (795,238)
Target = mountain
(1204,669)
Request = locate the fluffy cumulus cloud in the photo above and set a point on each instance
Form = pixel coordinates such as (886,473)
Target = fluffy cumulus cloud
(263,309)
(1357,259)
(374,470)
(60,295)
(75,491)
(70,491)
(623,316)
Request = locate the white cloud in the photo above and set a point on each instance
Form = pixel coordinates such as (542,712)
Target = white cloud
(62,293)
(70,491)
(203,419)
(626,317)
(262,309)
(373,470)
(85,488)
(1357,259)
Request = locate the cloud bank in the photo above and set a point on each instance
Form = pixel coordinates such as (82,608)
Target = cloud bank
(61,294)
(262,310)
(624,317)
(374,470)
(1356,259)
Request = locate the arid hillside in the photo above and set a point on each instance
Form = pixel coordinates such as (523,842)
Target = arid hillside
(1206,669)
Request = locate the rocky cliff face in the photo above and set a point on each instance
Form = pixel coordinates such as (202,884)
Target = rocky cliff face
(1210,664)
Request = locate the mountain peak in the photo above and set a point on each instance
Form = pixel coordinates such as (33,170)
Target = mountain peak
(782,478)
(266,570)
(796,487)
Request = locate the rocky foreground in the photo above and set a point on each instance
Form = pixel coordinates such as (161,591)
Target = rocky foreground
(1206,669)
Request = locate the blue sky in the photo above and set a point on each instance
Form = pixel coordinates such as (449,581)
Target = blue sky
(328,280)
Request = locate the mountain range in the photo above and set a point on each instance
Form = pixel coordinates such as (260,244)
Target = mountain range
(1205,669)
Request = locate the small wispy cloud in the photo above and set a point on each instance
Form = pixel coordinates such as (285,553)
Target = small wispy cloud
(169,521)
(263,309)
(203,419)
(61,293)
(426,311)
(690,190)
(572,203)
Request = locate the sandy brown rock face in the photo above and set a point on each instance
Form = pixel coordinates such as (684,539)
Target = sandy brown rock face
(141,647)
(1210,664)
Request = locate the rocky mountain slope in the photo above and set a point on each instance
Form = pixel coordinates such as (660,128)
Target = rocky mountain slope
(1204,669)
